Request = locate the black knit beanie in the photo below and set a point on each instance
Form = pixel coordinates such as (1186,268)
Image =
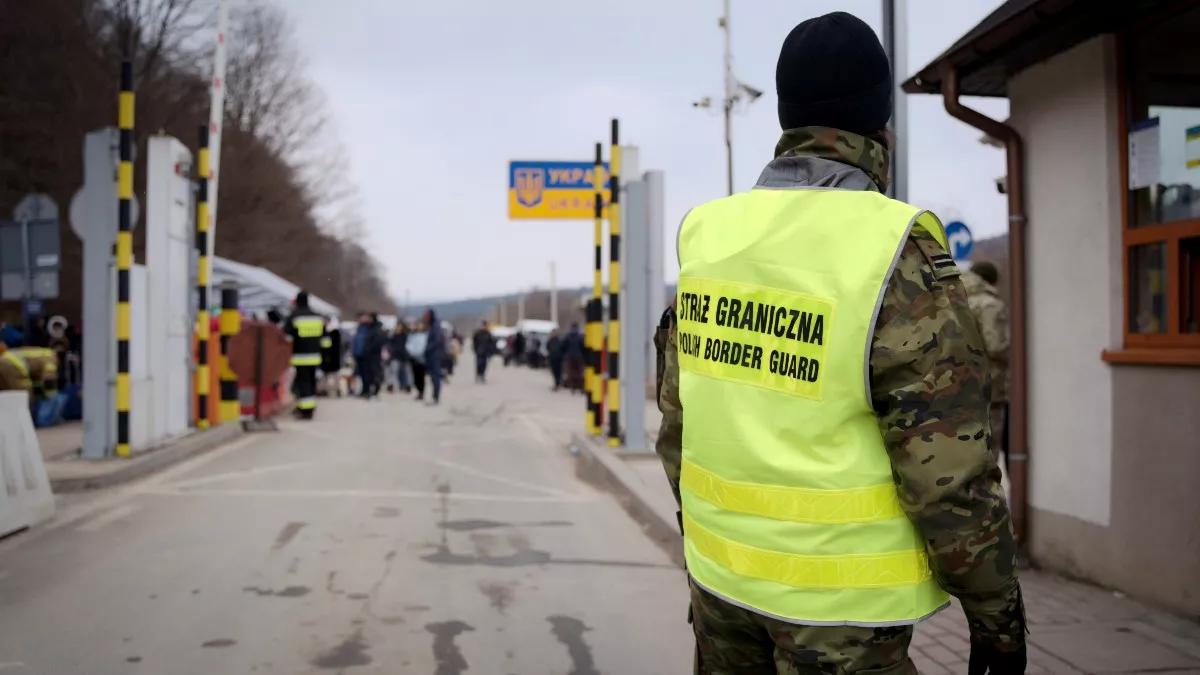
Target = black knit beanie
(833,72)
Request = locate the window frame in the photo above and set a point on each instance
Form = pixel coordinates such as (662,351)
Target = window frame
(1172,347)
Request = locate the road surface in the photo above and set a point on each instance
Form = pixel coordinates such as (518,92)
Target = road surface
(384,537)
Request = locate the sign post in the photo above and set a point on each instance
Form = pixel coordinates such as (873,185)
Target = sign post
(564,190)
(613,395)
(29,255)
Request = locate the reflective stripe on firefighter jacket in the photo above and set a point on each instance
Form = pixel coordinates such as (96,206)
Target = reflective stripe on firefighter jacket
(789,508)
(306,330)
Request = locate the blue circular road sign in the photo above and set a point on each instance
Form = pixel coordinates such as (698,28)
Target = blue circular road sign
(958,236)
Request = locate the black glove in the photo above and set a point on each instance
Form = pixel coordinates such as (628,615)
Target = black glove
(987,660)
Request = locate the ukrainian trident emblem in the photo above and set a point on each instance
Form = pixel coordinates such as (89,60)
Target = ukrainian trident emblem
(530,183)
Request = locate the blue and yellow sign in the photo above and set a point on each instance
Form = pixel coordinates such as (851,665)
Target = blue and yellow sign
(561,190)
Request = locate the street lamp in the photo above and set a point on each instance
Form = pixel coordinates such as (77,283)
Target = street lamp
(735,90)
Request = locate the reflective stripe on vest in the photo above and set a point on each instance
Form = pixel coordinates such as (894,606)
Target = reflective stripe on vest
(789,505)
(309,326)
(306,359)
(326,342)
(307,403)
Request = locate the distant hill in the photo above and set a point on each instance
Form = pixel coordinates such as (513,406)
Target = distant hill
(465,314)
(466,307)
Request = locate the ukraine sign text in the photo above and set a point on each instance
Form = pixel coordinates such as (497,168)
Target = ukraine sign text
(560,190)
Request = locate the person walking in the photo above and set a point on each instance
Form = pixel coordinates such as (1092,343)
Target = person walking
(358,349)
(454,344)
(518,348)
(573,359)
(398,348)
(376,341)
(331,359)
(306,329)
(483,344)
(992,316)
(554,358)
(831,501)
(435,353)
(417,339)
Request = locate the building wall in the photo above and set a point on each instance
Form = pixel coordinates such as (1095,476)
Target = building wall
(1065,111)
(1114,449)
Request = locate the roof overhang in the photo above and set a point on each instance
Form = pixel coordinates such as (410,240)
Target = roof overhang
(1021,33)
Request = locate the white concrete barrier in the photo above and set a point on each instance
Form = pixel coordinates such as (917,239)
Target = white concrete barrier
(25,498)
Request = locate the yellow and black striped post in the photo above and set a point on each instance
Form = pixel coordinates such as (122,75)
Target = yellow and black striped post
(124,251)
(230,323)
(593,332)
(613,399)
(202,320)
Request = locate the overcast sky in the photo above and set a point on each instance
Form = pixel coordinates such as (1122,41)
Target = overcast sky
(432,99)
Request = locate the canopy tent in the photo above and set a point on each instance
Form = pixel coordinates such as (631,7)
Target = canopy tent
(260,290)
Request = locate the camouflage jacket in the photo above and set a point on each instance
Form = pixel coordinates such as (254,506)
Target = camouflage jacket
(992,316)
(929,386)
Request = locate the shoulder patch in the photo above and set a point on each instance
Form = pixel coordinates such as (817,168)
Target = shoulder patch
(939,260)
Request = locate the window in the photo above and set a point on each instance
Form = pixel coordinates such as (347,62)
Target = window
(1161,120)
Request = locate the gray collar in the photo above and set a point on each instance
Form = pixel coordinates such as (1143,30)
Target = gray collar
(806,171)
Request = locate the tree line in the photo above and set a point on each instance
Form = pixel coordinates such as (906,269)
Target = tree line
(284,200)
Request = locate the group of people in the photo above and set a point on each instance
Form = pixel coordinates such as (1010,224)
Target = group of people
(404,359)
(563,354)
(43,361)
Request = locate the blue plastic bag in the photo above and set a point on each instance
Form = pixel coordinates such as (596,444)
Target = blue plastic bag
(49,410)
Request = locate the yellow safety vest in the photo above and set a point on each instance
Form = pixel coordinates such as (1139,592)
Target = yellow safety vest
(789,508)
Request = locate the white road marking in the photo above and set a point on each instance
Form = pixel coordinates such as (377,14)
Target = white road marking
(539,434)
(12,664)
(241,473)
(364,494)
(470,470)
(70,516)
(513,482)
(103,519)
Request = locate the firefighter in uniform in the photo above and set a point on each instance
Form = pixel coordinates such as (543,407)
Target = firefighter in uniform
(306,328)
(824,394)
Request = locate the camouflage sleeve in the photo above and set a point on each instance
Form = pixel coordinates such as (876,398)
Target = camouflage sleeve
(993,323)
(929,374)
(669,445)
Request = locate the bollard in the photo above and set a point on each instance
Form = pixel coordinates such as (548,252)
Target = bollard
(202,330)
(124,251)
(613,398)
(593,332)
(229,325)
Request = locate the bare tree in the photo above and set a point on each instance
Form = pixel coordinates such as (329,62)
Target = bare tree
(58,81)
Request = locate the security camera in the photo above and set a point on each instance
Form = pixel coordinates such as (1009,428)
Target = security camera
(753,93)
(1002,184)
(705,102)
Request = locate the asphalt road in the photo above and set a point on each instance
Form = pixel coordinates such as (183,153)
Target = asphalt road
(384,537)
